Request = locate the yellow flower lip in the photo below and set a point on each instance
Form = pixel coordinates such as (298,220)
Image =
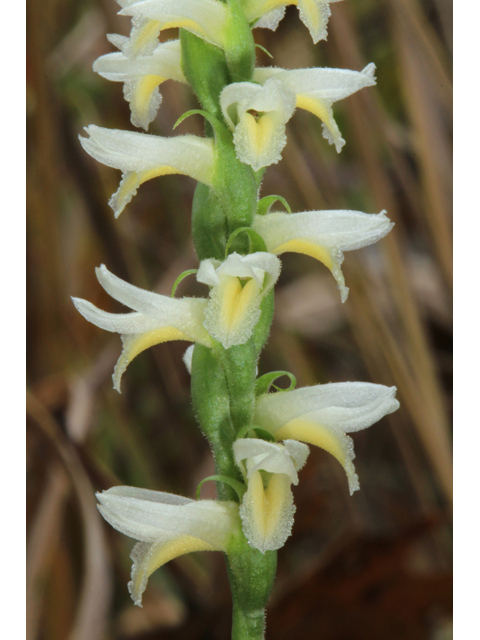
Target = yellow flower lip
(267,506)
(167,526)
(323,235)
(323,415)
(238,286)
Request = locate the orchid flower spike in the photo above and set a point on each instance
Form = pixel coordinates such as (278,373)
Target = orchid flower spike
(142,76)
(317,89)
(323,235)
(155,319)
(257,115)
(207,19)
(267,507)
(322,415)
(167,526)
(313,13)
(238,286)
(141,156)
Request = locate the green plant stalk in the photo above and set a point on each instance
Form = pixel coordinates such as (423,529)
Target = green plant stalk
(223,380)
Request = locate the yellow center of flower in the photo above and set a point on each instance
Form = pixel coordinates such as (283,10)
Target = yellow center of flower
(237,301)
(260,130)
(317,107)
(313,433)
(308,248)
(268,504)
(143,93)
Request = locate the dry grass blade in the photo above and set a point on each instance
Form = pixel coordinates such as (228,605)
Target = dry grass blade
(94,601)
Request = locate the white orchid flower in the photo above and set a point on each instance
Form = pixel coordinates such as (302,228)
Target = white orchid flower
(142,75)
(155,319)
(323,235)
(238,286)
(142,156)
(322,415)
(257,115)
(267,507)
(167,526)
(313,13)
(317,89)
(207,19)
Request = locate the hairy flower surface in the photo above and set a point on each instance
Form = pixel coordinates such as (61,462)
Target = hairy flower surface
(257,115)
(142,75)
(142,156)
(267,507)
(167,526)
(155,319)
(207,19)
(313,13)
(323,235)
(316,89)
(238,286)
(322,415)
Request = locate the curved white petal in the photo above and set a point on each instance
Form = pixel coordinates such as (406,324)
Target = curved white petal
(156,319)
(322,415)
(323,235)
(205,18)
(142,76)
(318,88)
(287,458)
(141,156)
(233,309)
(259,122)
(167,526)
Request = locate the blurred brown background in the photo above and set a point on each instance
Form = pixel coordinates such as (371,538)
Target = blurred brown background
(375,566)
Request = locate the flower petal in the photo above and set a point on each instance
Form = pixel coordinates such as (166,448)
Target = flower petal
(156,319)
(205,18)
(267,514)
(167,526)
(233,309)
(147,557)
(142,76)
(317,89)
(262,112)
(142,156)
(271,457)
(323,235)
(322,415)
(148,515)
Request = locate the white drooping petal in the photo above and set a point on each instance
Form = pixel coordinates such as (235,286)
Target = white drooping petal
(257,115)
(188,358)
(205,18)
(167,526)
(142,76)
(267,507)
(239,285)
(141,156)
(323,235)
(318,88)
(271,20)
(315,14)
(156,319)
(322,415)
